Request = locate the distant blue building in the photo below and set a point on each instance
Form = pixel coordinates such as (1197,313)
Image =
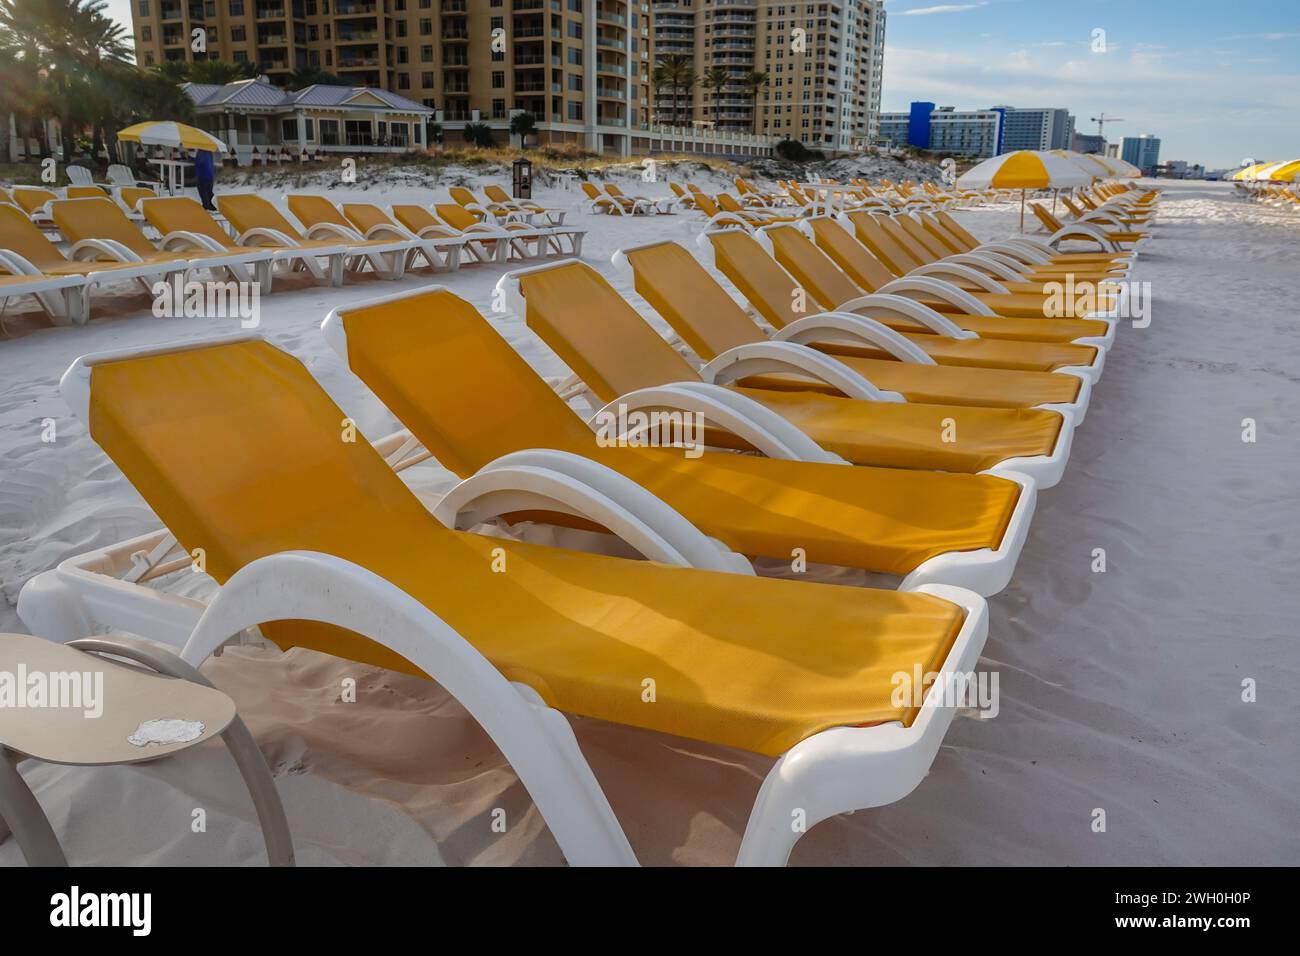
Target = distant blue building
(1142,151)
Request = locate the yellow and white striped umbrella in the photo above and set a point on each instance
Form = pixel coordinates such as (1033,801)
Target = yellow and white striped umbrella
(1123,167)
(1249,172)
(1024,169)
(1280,172)
(1094,166)
(175,135)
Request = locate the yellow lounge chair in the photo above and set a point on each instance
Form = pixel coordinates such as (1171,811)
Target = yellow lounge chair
(323,220)
(26,252)
(184,224)
(258,223)
(712,323)
(1022,268)
(922,526)
(942,339)
(855,419)
(807,275)
(554,217)
(600,202)
(336,554)
(1122,238)
(1039,261)
(35,202)
(545,240)
(99,231)
(996,312)
(661,206)
(482,240)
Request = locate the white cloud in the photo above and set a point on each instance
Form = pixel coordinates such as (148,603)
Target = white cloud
(1201,115)
(942,8)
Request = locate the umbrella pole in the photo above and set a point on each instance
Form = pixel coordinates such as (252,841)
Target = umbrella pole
(1054,192)
(1022,210)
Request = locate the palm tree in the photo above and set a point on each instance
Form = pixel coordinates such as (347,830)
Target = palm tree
(523,125)
(715,78)
(221,72)
(678,74)
(314,76)
(755,83)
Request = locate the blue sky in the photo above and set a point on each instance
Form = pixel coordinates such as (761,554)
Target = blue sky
(1216,81)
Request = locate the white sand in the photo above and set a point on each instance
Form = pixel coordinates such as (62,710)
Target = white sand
(1119,690)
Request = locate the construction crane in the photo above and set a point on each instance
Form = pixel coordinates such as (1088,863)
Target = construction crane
(1101,122)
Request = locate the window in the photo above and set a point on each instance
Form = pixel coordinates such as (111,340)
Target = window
(498,80)
(236,8)
(144,8)
(237,35)
(403,81)
(146,34)
(358,132)
(426,27)
(329,132)
(426,54)
(426,79)
(289,130)
(575,112)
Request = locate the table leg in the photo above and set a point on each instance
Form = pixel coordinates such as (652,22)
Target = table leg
(20,812)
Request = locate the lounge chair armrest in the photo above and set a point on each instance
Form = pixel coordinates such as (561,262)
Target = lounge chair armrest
(1081,230)
(944,291)
(1002,265)
(1028,253)
(387,230)
(265,236)
(536,740)
(331,230)
(855,768)
(756,358)
(855,330)
(900,306)
(18,265)
(980,268)
(183,240)
(741,416)
(88,250)
(548,480)
(949,272)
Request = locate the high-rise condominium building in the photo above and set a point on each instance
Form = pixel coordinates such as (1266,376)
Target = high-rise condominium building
(1142,151)
(581,67)
(808,71)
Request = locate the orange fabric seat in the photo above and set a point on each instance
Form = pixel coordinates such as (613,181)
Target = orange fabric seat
(486,402)
(711,322)
(236,449)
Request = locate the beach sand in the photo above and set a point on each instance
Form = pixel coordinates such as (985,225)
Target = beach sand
(1119,691)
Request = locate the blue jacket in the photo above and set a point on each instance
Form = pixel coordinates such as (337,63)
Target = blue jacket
(203,165)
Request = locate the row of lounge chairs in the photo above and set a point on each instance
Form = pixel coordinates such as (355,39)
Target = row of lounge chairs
(320,543)
(330,243)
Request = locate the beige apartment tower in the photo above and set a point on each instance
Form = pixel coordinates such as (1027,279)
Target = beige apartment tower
(581,67)
(822,60)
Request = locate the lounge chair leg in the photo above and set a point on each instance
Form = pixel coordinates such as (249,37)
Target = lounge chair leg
(536,739)
(264,272)
(24,816)
(336,270)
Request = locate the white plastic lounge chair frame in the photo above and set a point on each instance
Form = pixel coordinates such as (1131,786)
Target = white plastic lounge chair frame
(893,299)
(853,329)
(831,772)
(784,356)
(78,297)
(62,298)
(392,259)
(985,571)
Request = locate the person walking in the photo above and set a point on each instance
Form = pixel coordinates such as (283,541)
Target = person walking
(205,174)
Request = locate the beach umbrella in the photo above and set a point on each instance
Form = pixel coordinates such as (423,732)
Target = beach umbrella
(1282,172)
(1024,169)
(1250,171)
(175,135)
